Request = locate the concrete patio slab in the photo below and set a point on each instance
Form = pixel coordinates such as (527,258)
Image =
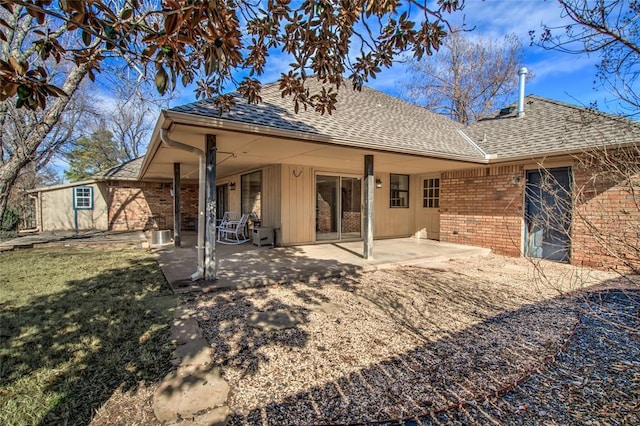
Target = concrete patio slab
(245,266)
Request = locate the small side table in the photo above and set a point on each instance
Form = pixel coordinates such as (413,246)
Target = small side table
(262,236)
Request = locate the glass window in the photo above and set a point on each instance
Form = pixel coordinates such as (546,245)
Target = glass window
(251,193)
(83,198)
(399,187)
(431,193)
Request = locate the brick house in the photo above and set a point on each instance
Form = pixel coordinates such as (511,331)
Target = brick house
(379,167)
(114,200)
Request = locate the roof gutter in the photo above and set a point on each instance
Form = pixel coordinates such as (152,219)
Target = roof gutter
(164,137)
(63,185)
(572,152)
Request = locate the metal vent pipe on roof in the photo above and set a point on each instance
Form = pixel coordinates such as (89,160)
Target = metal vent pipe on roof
(522,73)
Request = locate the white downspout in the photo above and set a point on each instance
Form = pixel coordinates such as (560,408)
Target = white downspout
(202,166)
(522,73)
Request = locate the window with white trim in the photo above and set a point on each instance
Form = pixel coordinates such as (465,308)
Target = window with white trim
(83,198)
(431,193)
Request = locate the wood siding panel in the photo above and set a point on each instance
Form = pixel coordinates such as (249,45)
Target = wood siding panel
(392,222)
(57,211)
(272,194)
(234,195)
(298,207)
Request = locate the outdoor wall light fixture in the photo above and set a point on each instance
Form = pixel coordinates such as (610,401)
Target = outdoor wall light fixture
(232,186)
(378,183)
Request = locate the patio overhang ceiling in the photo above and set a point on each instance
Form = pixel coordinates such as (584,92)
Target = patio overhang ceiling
(244,147)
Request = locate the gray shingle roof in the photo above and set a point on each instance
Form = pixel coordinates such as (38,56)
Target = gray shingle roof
(549,127)
(366,119)
(124,171)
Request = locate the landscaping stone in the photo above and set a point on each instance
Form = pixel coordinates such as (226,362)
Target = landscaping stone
(273,320)
(194,352)
(215,417)
(197,386)
(184,312)
(188,391)
(328,308)
(185,330)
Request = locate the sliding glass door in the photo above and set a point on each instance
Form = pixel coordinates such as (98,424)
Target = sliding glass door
(338,208)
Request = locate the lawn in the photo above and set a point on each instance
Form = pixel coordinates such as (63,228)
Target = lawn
(77,326)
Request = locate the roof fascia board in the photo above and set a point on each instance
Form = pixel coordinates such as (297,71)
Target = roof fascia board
(533,157)
(64,185)
(162,123)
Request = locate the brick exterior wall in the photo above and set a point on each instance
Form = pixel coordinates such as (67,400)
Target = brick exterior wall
(483,207)
(606,221)
(149,205)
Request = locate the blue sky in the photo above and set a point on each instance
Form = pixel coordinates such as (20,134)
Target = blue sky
(559,76)
(563,77)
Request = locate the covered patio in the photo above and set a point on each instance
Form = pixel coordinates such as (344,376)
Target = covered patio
(246,265)
(311,179)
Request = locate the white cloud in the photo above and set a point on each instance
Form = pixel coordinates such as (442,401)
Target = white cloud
(500,17)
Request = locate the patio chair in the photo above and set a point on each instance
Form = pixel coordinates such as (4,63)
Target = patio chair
(233,231)
(227,217)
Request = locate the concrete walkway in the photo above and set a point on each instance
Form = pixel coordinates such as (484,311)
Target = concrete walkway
(195,393)
(247,265)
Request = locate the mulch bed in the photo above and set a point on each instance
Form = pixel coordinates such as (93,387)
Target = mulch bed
(442,346)
(594,380)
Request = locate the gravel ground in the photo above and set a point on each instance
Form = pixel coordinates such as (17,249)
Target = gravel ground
(596,380)
(408,342)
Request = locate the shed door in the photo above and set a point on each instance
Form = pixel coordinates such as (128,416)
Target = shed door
(548,214)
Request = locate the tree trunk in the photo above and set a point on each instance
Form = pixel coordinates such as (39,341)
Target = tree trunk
(8,175)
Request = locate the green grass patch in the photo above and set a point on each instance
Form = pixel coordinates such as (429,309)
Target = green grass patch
(75,325)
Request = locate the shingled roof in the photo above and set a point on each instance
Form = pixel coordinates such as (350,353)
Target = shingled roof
(549,127)
(124,171)
(365,119)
